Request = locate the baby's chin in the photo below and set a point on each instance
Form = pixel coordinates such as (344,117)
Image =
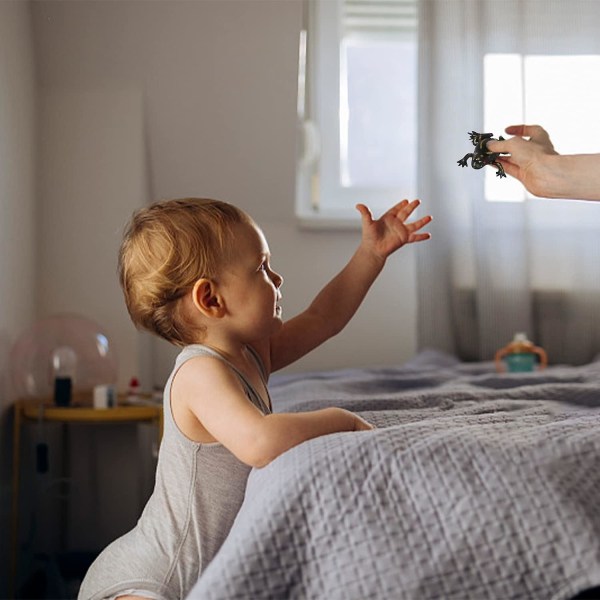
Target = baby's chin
(278,321)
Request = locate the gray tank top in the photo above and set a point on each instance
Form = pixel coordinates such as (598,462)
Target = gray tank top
(198,491)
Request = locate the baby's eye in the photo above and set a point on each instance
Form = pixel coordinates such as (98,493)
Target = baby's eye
(263,267)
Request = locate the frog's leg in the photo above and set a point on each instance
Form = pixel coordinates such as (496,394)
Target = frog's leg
(463,161)
(500,172)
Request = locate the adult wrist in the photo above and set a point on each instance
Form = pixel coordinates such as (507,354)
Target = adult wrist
(580,176)
(557,176)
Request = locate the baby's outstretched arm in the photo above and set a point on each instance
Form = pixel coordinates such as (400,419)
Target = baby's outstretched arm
(337,302)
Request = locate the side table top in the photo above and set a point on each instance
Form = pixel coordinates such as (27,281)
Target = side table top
(119,413)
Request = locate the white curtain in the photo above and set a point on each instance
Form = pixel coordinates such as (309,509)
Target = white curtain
(496,268)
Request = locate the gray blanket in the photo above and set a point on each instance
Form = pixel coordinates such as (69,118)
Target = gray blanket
(474,485)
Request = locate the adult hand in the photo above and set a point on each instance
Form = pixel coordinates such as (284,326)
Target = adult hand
(529,151)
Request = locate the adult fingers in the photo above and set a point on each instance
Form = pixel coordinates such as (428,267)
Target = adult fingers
(535,132)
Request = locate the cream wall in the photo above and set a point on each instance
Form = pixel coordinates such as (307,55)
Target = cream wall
(106,104)
(217,87)
(17,229)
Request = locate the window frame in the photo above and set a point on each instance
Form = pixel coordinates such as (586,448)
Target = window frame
(318,164)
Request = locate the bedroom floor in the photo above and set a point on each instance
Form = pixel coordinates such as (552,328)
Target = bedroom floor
(52,577)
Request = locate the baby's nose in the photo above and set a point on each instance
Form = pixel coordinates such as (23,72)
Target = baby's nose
(277,279)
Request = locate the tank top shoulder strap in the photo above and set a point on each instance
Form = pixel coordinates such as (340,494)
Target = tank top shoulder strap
(259,363)
(256,399)
(263,374)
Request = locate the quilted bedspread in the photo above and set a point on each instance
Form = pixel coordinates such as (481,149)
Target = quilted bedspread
(473,485)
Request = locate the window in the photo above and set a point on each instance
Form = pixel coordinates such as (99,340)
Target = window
(357,108)
(523,89)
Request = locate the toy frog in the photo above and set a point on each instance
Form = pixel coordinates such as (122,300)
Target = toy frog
(482,156)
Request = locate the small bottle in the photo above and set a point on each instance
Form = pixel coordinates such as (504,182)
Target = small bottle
(104,396)
(520,356)
(133,392)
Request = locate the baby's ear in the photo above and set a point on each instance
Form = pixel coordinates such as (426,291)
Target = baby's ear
(207,299)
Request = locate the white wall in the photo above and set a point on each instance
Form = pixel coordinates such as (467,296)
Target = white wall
(17,231)
(91,178)
(218,85)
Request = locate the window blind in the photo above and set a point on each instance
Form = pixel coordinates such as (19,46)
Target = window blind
(379,16)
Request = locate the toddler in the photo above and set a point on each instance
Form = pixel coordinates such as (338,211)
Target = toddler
(198,273)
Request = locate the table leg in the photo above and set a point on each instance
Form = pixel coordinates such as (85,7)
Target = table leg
(15,498)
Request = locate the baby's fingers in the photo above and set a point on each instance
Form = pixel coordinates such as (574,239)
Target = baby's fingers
(418,237)
(406,208)
(361,425)
(396,210)
(419,224)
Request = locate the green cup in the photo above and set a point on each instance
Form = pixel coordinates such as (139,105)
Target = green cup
(520,362)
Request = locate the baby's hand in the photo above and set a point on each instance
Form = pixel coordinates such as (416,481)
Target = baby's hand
(390,232)
(361,425)
(352,422)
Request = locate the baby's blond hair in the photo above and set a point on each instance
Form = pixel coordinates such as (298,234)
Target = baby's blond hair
(166,248)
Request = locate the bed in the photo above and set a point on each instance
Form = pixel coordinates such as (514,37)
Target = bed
(473,485)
